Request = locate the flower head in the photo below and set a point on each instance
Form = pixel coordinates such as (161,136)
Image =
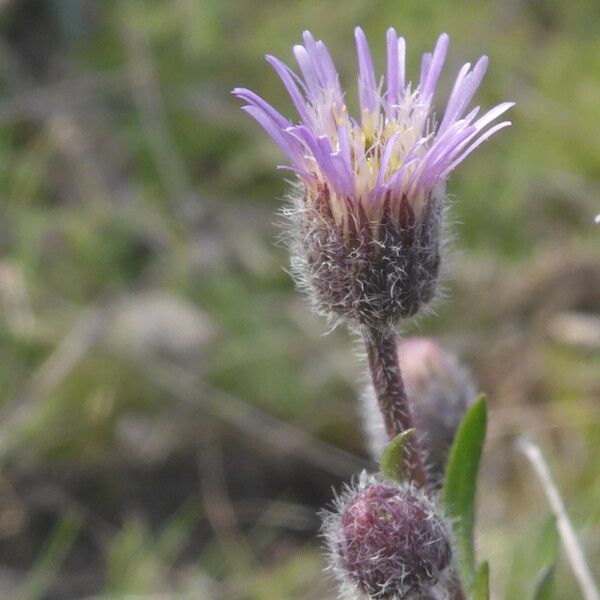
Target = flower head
(372,186)
(387,541)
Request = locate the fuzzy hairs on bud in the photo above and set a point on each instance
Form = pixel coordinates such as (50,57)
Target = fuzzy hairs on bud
(439,390)
(363,272)
(388,542)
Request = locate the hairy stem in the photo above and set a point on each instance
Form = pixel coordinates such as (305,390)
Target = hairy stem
(382,352)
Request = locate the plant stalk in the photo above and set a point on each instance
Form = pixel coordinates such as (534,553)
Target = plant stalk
(382,353)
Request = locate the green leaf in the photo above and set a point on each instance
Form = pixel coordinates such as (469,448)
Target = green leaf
(56,549)
(481,589)
(544,584)
(458,494)
(549,542)
(547,549)
(393,457)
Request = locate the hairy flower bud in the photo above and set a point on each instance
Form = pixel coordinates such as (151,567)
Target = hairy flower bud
(439,390)
(388,542)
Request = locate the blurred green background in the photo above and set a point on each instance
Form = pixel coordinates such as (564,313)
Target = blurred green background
(172,416)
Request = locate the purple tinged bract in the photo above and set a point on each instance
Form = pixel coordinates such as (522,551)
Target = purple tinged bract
(388,542)
(395,151)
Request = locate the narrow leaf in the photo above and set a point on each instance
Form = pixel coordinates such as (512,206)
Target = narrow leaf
(393,457)
(481,589)
(549,542)
(58,546)
(458,494)
(544,584)
(547,549)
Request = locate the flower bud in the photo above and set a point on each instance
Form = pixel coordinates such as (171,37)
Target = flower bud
(388,542)
(439,390)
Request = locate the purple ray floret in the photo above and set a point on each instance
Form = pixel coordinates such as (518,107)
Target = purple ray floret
(395,149)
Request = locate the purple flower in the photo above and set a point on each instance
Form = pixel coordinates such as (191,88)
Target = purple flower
(396,150)
(366,214)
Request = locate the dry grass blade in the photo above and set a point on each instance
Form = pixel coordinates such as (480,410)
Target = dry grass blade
(148,99)
(568,536)
(73,347)
(247,419)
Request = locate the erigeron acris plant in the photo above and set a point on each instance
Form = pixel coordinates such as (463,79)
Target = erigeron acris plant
(366,236)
